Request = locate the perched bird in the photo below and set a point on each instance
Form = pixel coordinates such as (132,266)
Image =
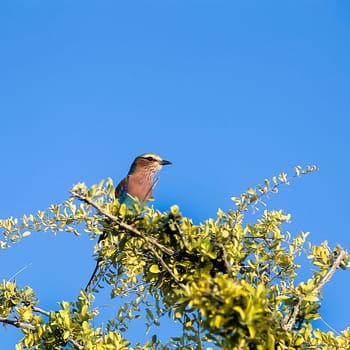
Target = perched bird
(139,183)
(136,186)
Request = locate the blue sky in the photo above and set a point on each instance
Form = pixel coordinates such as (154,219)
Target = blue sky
(231,92)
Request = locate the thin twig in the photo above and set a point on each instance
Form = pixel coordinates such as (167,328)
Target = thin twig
(278,274)
(250,200)
(330,327)
(75,343)
(179,231)
(160,259)
(122,224)
(41,311)
(19,271)
(289,322)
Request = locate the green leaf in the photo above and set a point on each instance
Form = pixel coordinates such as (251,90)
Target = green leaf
(311,298)
(154,268)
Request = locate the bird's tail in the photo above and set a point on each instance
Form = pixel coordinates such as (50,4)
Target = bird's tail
(93,275)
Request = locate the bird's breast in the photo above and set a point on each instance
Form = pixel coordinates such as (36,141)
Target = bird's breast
(140,187)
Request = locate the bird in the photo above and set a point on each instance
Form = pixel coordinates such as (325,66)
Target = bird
(139,183)
(137,186)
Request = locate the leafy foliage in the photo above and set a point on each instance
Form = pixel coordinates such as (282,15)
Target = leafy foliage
(228,282)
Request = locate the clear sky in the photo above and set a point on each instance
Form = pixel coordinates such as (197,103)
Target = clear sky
(231,92)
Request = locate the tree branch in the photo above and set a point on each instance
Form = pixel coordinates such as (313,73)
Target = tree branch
(25,325)
(121,223)
(342,255)
(149,240)
(17,324)
(289,322)
(29,326)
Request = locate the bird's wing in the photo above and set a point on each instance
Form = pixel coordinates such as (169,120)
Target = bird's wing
(120,194)
(92,275)
(122,189)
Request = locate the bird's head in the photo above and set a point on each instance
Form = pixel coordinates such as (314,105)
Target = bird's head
(148,162)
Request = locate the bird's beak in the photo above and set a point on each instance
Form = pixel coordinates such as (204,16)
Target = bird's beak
(164,162)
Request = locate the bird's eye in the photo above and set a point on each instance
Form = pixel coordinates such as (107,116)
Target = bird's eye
(150,159)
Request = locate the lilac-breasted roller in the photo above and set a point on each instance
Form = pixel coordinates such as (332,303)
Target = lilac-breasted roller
(136,186)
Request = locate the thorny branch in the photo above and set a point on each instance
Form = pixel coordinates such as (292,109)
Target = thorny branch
(289,322)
